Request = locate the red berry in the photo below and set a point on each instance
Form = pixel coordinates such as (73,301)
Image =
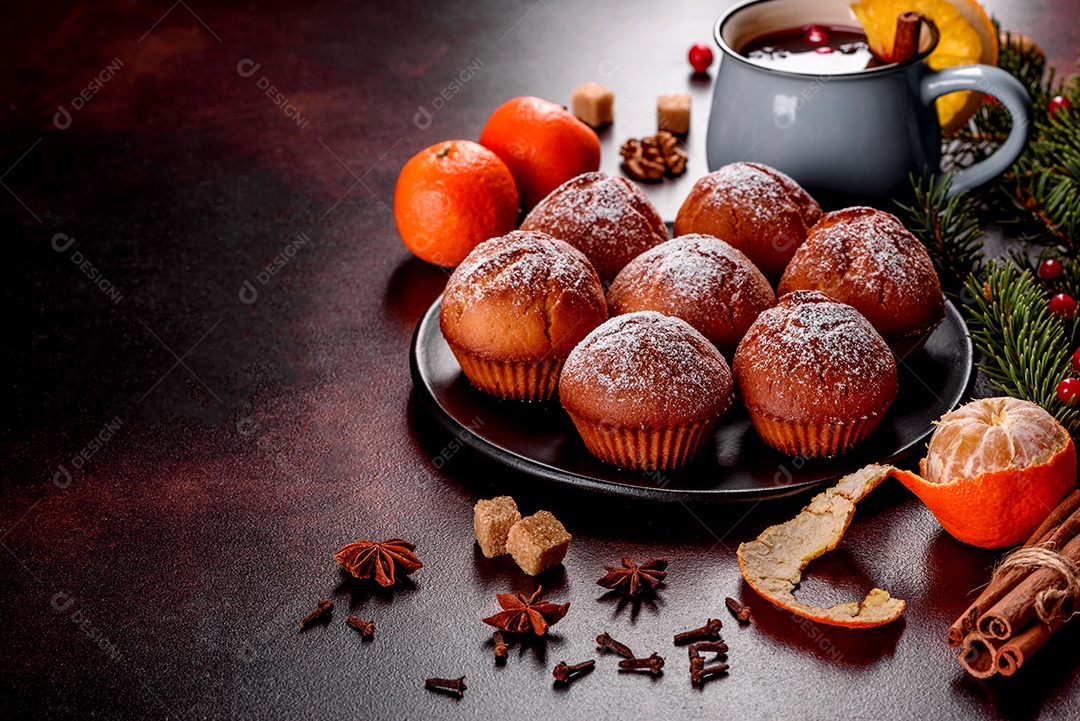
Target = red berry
(1050,269)
(1058,102)
(1063,305)
(1068,391)
(816,35)
(1076,360)
(700,57)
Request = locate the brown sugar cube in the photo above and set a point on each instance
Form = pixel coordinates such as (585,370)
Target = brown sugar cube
(492,520)
(673,113)
(538,542)
(593,104)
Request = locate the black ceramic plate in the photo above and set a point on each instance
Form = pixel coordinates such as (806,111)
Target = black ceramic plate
(540,439)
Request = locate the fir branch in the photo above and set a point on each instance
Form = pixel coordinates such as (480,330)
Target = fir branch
(990,125)
(948,227)
(1044,182)
(1046,178)
(1040,193)
(1025,347)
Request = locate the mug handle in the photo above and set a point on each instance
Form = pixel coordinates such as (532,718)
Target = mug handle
(1008,91)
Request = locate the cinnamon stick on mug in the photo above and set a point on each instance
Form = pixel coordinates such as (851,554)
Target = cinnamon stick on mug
(906,42)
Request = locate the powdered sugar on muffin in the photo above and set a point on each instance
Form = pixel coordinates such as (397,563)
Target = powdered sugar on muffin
(699,278)
(515,308)
(868,259)
(757,209)
(815,375)
(811,346)
(645,390)
(607,218)
(647,359)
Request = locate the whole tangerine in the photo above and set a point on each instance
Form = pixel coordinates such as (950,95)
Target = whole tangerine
(994,470)
(450,198)
(542,144)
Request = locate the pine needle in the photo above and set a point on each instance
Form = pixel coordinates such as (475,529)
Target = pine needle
(1025,348)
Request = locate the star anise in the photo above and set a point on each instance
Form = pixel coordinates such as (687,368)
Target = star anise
(522,616)
(367,559)
(634,580)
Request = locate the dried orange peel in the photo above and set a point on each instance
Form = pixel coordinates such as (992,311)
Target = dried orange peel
(773,563)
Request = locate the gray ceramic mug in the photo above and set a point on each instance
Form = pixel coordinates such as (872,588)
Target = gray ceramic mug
(847,137)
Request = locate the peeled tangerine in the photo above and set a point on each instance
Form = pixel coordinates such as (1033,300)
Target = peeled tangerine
(994,470)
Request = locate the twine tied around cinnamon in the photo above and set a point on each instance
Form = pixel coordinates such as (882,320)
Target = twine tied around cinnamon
(1049,602)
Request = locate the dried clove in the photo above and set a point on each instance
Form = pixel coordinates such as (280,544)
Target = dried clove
(366,628)
(604,641)
(737,609)
(565,674)
(653,664)
(502,648)
(718,647)
(698,676)
(711,629)
(452,686)
(321,614)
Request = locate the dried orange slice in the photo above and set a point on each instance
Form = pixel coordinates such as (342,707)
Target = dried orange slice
(967,37)
(773,563)
(994,470)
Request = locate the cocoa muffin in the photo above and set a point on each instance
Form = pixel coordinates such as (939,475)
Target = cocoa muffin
(699,278)
(515,308)
(755,208)
(868,259)
(815,375)
(645,390)
(607,218)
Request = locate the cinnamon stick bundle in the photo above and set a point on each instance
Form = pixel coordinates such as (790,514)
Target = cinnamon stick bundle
(1018,607)
(1058,529)
(1011,655)
(1026,601)
(978,655)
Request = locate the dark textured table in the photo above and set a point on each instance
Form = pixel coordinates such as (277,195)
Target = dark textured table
(207,392)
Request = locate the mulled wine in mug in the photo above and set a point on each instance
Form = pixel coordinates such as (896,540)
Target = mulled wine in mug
(799,90)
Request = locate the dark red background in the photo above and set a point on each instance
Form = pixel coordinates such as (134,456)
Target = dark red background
(201,531)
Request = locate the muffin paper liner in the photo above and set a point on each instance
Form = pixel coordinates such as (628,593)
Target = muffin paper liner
(517,380)
(813,440)
(644,449)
